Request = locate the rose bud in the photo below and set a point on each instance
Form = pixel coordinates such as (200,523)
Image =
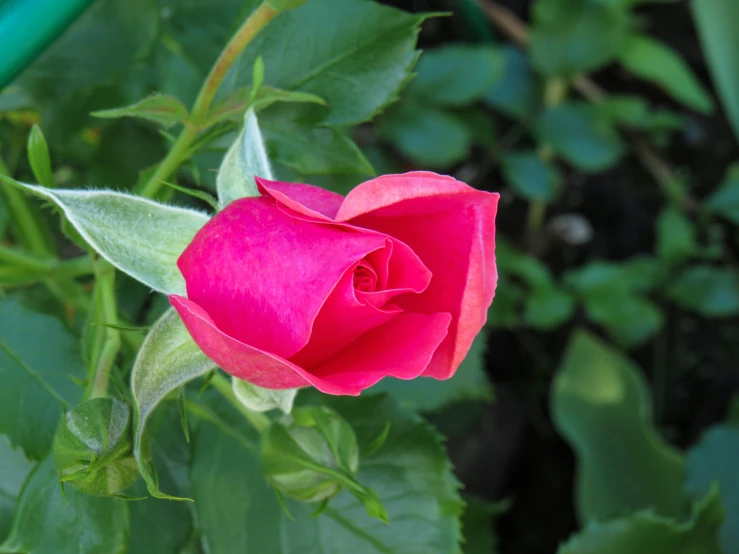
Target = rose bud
(296,444)
(301,286)
(92,447)
(311,454)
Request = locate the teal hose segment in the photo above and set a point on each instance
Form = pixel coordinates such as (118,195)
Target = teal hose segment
(27,27)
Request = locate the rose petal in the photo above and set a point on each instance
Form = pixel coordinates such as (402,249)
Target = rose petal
(239,359)
(402,348)
(451,226)
(262,276)
(342,319)
(409,346)
(305,199)
(391,189)
(402,271)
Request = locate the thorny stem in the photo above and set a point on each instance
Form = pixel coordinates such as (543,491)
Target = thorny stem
(180,149)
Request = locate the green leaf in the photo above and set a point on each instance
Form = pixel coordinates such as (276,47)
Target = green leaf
(286,4)
(601,405)
(480,126)
(160,526)
(712,462)
(656,62)
(710,291)
(477,524)
(258,399)
(309,149)
(597,276)
(582,135)
(238,513)
(548,307)
(168,359)
(457,74)
(530,176)
(629,319)
(14,468)
(725,200)
(504,312)
(518,92)
(45,521)
(245,160)
(354,54)
(675,236)
(159,108)
(643,273)
(95,50)
(635,112)
(715,21)
(576,36)
(632,111)
(612,296)
(313,454)
(647,533)
(4,219)
(38,157)
(426,395)
(233,106)
(140,237)
(197,33)
(524,266)
(270,95)
(36,382)
(429,136)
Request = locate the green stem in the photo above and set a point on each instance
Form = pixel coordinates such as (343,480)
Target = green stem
(75,267)
(27,261)
(29,230)
(555,91)
(35,268)
(181,148)
(173,160)
(71,294)
(106,311)
(223,385)
(251,27)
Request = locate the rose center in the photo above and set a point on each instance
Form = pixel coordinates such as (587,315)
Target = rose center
(365,278)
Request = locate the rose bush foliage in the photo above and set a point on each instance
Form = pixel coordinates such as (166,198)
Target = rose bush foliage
(302,286)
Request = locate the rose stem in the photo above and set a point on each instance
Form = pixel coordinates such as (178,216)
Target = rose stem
(179,151)
(223,385)
(104,355)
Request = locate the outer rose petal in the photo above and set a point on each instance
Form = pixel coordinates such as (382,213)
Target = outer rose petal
(451,226)
(408,341)
(391,189)
(263,276)
(305,199)
(402,348)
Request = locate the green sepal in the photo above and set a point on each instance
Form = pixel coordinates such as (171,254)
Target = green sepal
(312,454)
(93,447)
(39,158)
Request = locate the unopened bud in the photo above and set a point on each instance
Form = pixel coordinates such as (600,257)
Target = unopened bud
(93,447)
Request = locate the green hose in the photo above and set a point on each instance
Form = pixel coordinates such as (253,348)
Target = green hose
(27,27)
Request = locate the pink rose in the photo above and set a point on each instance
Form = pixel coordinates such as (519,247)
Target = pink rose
(302,286)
